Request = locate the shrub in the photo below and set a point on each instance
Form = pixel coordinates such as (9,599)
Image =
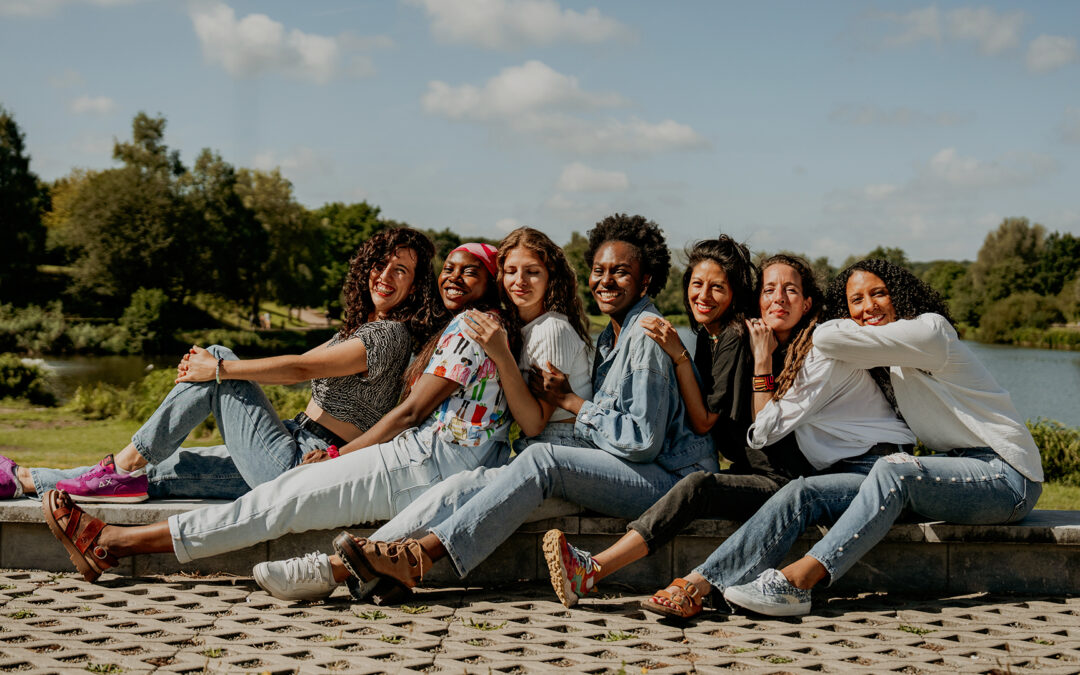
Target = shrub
(26,380)
(87,338)
(1004,319)
(32,330)
(1060,449)
(147,321)
(97,401)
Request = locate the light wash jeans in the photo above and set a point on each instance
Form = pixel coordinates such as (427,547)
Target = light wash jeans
(258,446)
(360,487)
(587,476)
(440,502)
(860,502)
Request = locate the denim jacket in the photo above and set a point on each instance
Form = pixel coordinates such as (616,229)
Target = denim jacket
(636,412)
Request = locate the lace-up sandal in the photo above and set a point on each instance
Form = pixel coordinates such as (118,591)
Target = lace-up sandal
(680,600)
(364,583)
(78,532)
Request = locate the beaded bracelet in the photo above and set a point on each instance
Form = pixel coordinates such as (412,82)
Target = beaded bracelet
(764,383)
(333,452)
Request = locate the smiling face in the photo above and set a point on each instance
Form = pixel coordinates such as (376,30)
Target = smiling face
(463,280)
(525,280)
(782,301)
(709,294)
(390,283)
(868,299)
(616,279)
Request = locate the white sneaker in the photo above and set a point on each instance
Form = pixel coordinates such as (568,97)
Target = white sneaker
(308,577)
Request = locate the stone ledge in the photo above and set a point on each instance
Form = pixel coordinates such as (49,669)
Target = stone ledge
(1040,554)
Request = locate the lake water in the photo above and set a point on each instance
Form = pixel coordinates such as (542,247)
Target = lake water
(1043,382)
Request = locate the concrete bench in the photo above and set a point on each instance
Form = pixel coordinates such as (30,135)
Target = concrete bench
(1040,554)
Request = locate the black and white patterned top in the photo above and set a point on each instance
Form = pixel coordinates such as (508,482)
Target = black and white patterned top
(362,400)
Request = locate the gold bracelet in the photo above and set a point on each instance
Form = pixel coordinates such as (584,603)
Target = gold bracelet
(685,356)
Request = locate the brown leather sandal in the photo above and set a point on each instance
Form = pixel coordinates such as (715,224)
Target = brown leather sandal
(402,561)
(78,532)
(681,600)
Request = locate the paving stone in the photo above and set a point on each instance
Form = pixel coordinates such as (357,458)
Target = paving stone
(187,624)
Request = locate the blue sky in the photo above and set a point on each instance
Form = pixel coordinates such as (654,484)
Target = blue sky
(826,128)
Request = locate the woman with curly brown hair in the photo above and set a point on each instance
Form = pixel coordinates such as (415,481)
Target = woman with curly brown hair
(985,469)
(391,303)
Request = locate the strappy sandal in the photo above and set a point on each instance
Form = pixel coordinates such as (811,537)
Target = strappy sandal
(683,600)
(386,590)
(78,532)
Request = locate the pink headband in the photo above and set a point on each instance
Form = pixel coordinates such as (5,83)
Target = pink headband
(485,253)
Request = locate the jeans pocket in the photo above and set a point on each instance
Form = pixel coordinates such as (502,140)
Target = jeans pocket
(410,481)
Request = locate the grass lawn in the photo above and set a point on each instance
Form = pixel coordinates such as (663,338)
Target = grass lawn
(55,438)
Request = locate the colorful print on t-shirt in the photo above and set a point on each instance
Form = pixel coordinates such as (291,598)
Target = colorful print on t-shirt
(477,410)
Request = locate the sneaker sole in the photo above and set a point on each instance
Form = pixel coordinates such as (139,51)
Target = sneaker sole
(260,578)
(117,499)
(553,555)
(740,599)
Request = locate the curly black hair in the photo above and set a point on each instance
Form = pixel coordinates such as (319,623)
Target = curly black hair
(742,277)
(644,235)
(422,311)
(910,295)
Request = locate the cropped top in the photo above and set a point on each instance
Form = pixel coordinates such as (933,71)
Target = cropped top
(361,400)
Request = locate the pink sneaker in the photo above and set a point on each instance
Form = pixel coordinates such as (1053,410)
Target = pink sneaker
(8,482)
(104,484)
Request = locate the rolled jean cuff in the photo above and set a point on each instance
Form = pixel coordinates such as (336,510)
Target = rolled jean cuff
(140,448)
(179,550)
(717,586)
(451,553)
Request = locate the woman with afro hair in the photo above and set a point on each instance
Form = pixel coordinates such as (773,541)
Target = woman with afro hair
(635,438)
(986,468)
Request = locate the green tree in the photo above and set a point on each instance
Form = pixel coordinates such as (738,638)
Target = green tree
(344,227)
(670,299)
(575,255)
(22,202)
(1058,264)
(1006,263)
(129,226)
(231,248)
(942,275)
(1020,310)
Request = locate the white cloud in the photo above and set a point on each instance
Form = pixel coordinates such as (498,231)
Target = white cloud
(32,8)
(577,177)
(1050,52)
(68,78)
(97,146)
(256,45)
(94,105)
(298,162)
(872,115)
(1070,125)
(536,101)
(948,168)
(512,24)
(992,32)
(516,90)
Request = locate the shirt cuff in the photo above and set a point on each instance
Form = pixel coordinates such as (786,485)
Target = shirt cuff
(586,419)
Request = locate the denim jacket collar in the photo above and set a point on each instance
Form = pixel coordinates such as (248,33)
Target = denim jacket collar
(605,350)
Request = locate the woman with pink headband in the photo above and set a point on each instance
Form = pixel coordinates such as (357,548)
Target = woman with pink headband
(451,419)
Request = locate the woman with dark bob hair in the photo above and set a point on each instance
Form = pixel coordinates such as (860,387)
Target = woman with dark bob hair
(986,468)
(391,304)
(818,414)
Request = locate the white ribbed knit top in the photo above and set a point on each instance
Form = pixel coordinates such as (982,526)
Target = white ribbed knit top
(550,337)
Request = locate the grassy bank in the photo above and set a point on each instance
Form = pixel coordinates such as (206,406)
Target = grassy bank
(55,437)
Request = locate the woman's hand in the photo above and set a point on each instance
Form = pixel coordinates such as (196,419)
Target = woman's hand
(762,341)
(665,335)
(315,456)
(488,333)
(551,385)
(198,365)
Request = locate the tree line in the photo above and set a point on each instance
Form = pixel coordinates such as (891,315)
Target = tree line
(151,244)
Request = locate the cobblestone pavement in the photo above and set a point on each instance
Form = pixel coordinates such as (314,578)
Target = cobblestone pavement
(177,624)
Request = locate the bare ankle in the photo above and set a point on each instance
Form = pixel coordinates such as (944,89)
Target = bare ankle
(338,569)
(22,474)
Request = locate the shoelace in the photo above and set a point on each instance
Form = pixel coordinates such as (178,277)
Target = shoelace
(409,547)
(308,567)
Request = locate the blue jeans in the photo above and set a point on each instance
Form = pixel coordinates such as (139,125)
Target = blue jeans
(441,501)
(258,446)
(363,486)
(861,499)
(587,476)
